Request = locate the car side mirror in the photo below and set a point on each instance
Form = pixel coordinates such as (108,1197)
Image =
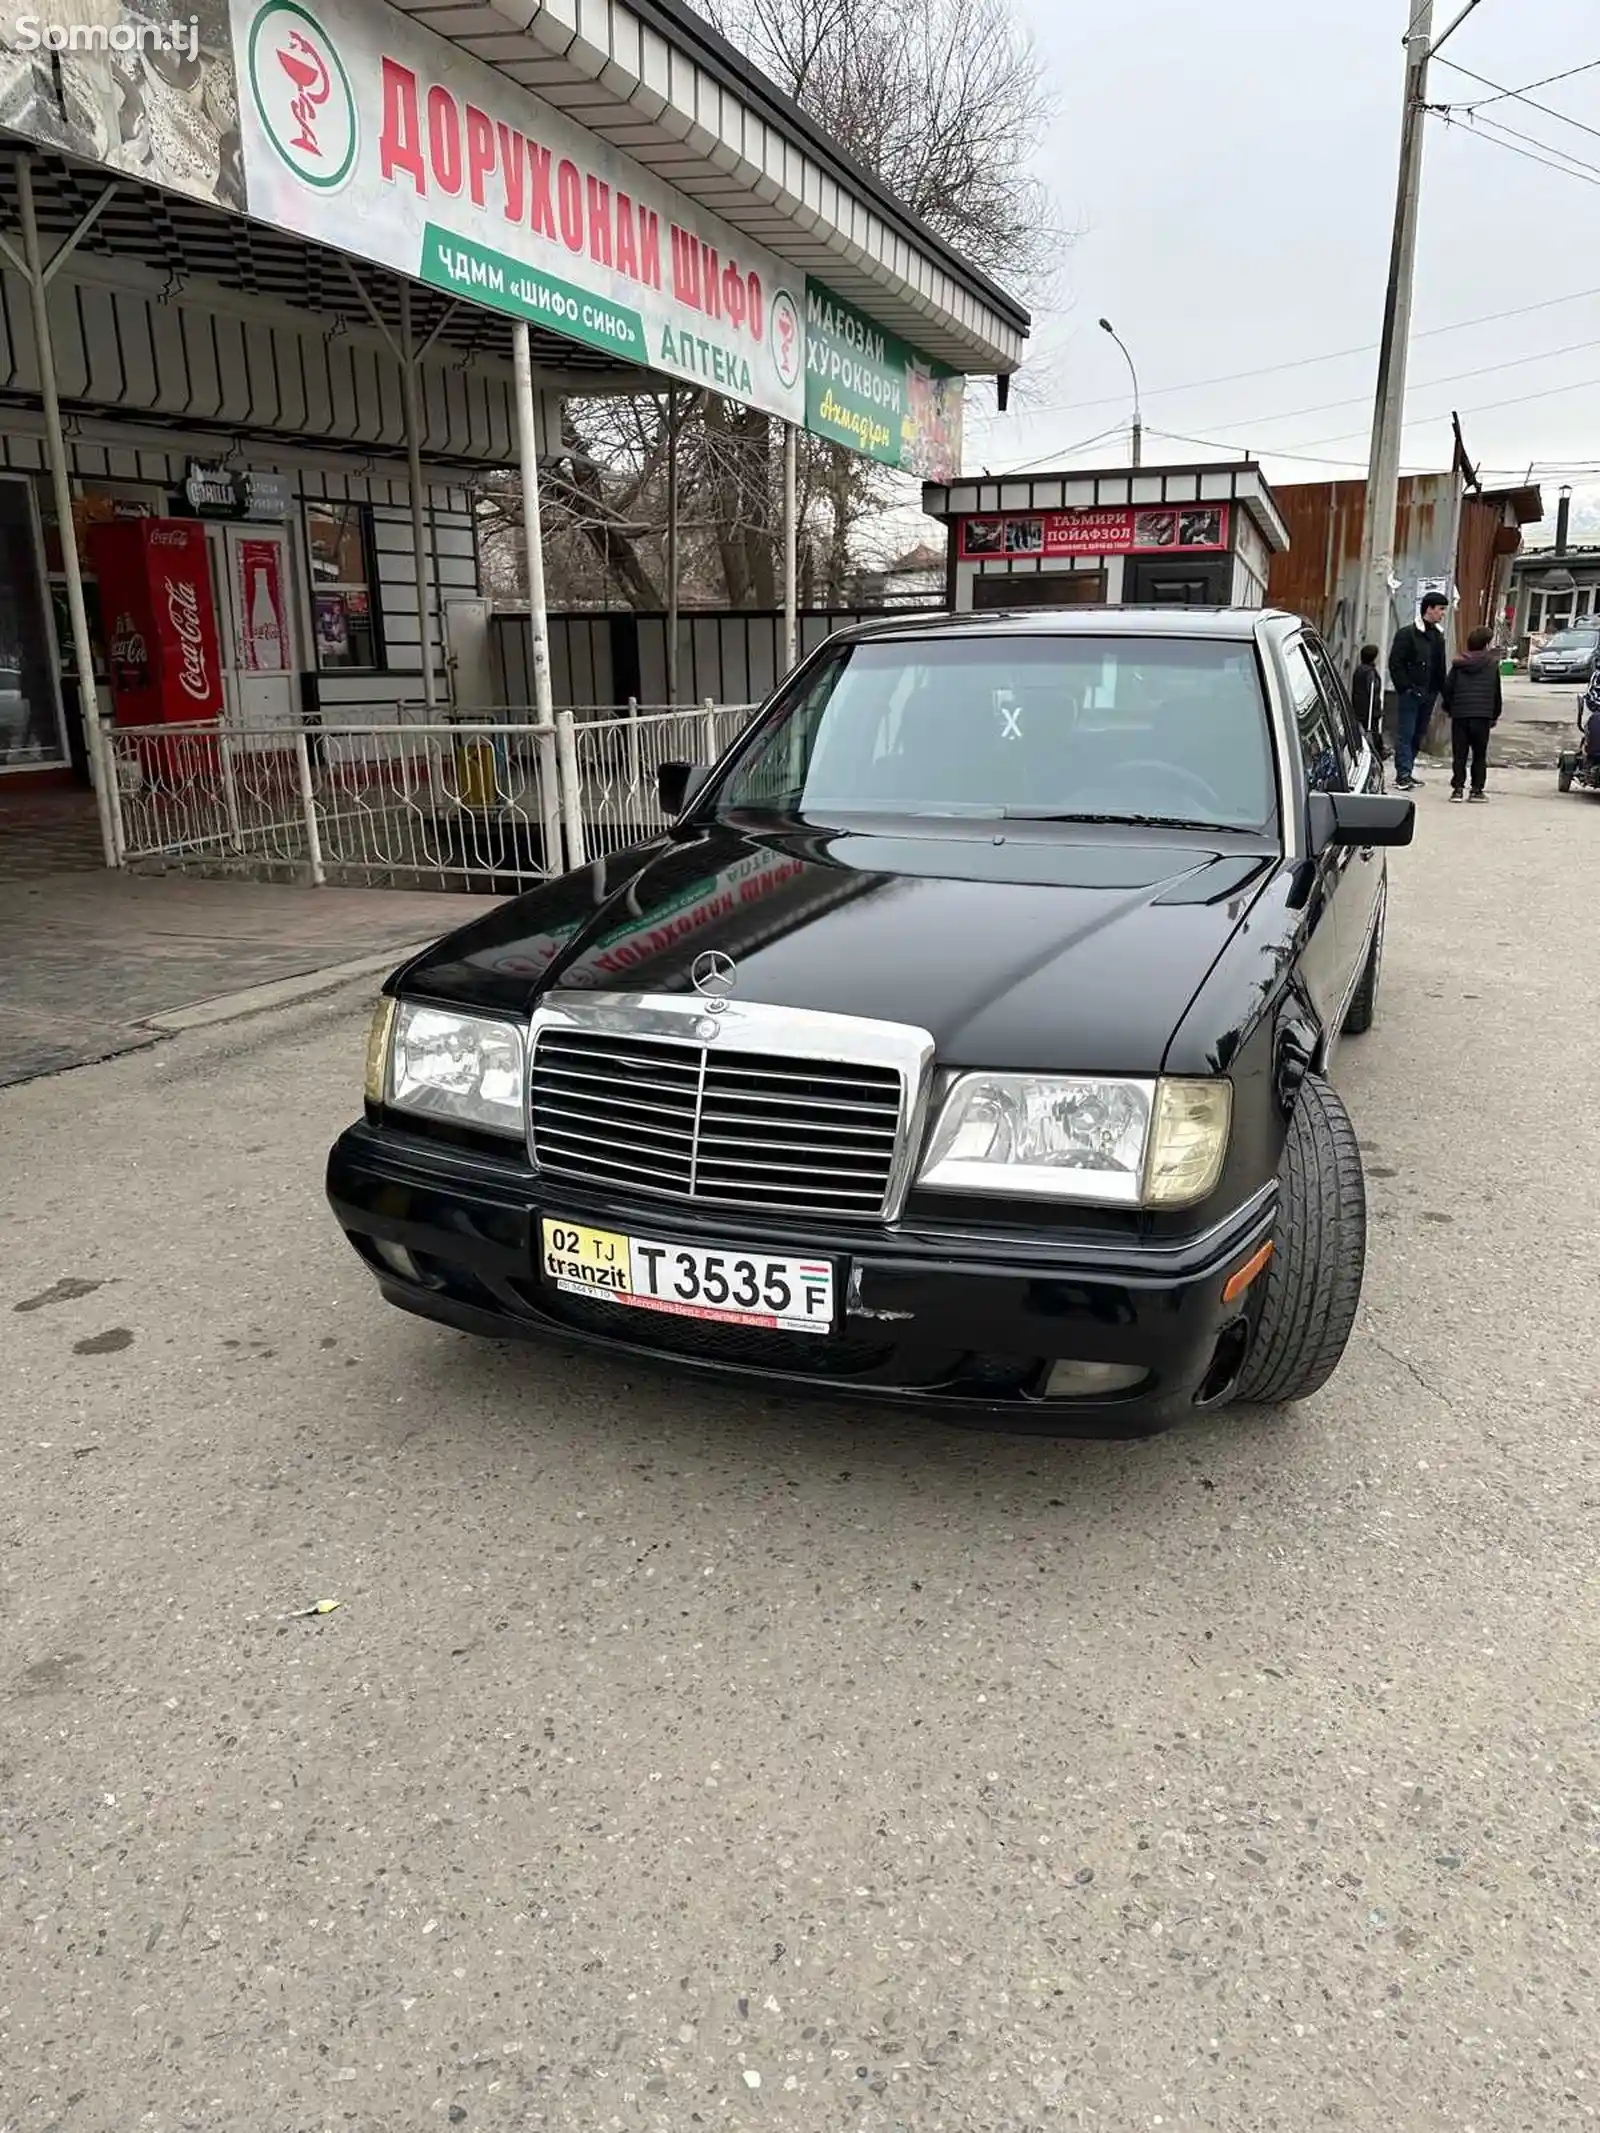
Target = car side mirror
(1360,818)
(677,784)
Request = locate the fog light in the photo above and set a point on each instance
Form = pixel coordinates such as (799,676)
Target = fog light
(1084,1381)
(397,1259)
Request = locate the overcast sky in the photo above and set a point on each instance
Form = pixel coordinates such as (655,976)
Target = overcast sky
(1231,170)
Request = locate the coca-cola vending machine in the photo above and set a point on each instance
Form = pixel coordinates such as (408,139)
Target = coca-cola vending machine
(160,620)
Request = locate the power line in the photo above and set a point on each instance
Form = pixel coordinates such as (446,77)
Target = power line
(1455,377)
(1543,82)
(1070,451)
(1517,96)
(1268,451)
(1532,140)
(1583,172)
(1333,355)
(1484,407)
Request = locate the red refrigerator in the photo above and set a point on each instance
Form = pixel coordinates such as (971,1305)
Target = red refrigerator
(159,619)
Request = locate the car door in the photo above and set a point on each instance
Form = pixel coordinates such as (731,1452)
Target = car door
(1325,955)
(1362,874)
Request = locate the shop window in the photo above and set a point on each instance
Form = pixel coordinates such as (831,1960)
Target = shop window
(344,581)
(30,731)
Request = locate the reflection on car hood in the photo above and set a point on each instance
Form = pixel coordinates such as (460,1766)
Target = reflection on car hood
(1064,949)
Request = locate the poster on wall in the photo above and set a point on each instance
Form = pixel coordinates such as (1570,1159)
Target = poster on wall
(259,597)
(434,164)
(1156,529)
(867,390)
(141,86)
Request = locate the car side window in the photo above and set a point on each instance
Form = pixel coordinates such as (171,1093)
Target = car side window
(1337,696)
(1322,746)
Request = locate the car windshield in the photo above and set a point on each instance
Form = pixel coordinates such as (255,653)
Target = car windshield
(1115,728)
(1573,641)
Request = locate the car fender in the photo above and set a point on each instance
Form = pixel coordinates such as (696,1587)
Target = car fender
(1254,1021)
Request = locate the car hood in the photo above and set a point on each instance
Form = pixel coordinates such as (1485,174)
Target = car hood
(1048,948)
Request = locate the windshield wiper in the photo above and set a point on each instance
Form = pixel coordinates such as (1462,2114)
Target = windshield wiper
(1177,822)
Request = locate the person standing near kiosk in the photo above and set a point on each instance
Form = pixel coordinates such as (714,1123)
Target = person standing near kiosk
(1417,667)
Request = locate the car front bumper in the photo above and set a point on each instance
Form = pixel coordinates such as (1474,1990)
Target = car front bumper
(965,1324)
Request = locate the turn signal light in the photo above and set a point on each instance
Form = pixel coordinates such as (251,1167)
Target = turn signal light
(1239,1282)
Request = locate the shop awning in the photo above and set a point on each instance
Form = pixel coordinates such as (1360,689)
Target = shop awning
(657,81)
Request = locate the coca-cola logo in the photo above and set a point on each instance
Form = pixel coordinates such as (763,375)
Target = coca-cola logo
(183,611)
(127,643)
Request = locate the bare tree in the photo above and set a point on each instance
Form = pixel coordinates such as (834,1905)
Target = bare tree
(945,101)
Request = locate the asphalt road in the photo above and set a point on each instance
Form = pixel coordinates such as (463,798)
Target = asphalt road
(679,1758)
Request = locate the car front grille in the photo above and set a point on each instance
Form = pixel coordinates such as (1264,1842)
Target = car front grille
(693,1122)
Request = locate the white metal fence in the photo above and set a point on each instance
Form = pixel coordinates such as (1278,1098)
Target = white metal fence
(476,804)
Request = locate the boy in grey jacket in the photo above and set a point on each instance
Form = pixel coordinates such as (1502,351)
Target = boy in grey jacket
(1472,698)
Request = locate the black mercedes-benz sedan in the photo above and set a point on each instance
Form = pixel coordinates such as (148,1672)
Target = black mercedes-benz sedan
(965,1040)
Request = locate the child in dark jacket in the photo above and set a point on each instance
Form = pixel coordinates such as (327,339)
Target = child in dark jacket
(1366,694)
(1472,698)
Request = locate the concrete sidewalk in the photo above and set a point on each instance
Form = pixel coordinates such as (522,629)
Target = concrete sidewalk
(92,964)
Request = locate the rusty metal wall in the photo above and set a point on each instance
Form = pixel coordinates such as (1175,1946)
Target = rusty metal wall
(1319,575)
(1476,565)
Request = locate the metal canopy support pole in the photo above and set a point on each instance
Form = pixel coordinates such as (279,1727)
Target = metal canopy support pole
(790,633)
(419,515)
(559,767)
(101,768)
(672,545)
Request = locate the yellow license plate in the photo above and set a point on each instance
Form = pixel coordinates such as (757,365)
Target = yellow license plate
(579,1258)
(730,1285)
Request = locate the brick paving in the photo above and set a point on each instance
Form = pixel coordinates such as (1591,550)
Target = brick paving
(88,958)
(47,833)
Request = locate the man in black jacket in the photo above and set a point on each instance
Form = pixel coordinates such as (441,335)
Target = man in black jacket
(1417,668)
(1472,698)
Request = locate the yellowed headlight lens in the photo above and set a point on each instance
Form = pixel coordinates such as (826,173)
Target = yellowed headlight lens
(378,1050)
(1188,1141)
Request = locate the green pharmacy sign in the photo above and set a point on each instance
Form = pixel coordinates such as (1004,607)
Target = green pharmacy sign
(867,390)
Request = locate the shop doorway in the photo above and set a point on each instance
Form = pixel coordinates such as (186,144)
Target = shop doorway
(1155,581)
(32,736)
(250,570)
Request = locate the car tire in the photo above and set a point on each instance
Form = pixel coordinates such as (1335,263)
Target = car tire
(1566,770)
(1312,1283)
(1364,1000)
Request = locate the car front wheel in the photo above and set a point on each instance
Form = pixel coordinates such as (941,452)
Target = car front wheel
(1313,1279)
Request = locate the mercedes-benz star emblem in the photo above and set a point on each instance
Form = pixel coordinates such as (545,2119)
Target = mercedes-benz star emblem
(713,975)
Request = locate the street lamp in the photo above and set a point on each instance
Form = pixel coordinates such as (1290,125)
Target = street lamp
(1138,420)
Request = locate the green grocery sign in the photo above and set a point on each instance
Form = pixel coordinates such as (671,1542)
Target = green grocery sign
(877,395)
(490,277)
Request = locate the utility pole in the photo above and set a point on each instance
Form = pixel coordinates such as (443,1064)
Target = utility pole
(1383,466)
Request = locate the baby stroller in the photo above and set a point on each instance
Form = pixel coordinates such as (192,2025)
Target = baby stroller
(1580,766)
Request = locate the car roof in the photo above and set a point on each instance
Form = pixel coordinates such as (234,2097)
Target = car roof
(1239,623)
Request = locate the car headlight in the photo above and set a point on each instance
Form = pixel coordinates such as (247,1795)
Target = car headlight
(1118,1143)
(463,1067)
